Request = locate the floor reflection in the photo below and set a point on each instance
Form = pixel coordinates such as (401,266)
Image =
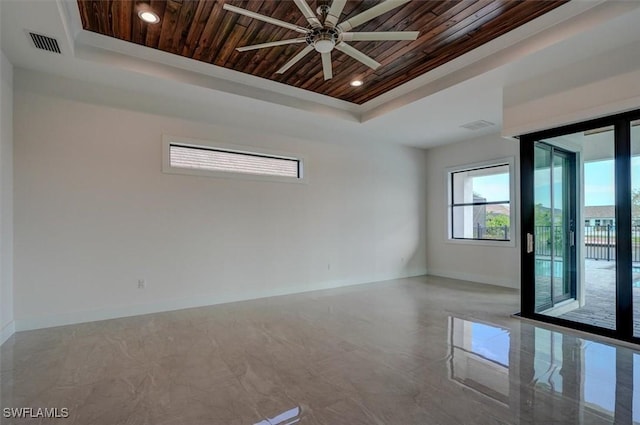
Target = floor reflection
(546,376)
(288,417)
(480,358)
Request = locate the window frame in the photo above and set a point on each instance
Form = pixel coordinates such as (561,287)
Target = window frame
(450,171)
(168,141)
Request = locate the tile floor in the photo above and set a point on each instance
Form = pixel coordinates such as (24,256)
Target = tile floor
(412,351)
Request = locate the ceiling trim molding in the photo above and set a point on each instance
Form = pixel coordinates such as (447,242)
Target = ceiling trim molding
(141,64)
(88,39)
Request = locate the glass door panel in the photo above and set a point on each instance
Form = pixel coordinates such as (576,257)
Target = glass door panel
(560,224)
(544,266)
(553,218)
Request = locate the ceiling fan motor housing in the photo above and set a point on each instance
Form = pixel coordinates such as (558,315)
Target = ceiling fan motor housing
(323,39)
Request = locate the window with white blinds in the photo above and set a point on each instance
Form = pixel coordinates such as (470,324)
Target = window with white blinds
(187,158)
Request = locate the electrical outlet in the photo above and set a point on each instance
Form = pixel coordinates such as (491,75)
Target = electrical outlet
(328,266)
(142,283)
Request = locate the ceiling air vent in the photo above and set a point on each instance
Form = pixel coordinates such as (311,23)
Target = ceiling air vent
(45,43)
(477,125)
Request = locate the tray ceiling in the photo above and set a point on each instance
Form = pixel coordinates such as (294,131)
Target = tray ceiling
(202,30)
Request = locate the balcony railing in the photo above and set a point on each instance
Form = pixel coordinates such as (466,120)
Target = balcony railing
(491,232)
(599,242)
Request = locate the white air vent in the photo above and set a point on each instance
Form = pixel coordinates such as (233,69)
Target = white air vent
(477,125)
(45,43)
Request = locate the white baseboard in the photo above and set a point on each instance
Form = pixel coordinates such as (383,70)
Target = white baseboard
(476,278)
(73,317)
(6,332)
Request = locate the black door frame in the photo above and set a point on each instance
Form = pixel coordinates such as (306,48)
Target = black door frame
(624,279)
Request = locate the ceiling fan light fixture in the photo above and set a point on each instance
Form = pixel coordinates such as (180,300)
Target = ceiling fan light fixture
(323,45)
(148,16)
(323,40)
(356,83)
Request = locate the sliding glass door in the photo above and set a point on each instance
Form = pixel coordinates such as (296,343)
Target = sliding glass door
(580,191)
(554,218)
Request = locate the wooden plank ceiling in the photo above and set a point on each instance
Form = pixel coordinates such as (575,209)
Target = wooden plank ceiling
(202,30)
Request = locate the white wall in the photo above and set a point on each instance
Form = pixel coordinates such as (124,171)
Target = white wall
(6,198)
(601,85)
(94,213)
(497,265)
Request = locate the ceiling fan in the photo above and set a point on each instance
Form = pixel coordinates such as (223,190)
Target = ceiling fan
(325,33)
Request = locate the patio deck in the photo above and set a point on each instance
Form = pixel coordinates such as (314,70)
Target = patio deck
(599,308)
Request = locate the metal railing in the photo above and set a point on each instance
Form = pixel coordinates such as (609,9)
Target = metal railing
(491,232)
(599,242)
(543,240)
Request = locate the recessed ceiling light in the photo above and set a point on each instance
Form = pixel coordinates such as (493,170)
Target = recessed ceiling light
(148,16)
(356,83)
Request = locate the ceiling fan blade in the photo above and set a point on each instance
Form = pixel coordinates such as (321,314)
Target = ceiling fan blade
(308,13)
(380,36)
(326,66)
(357,55)
(295,59)
(271,44)
(264,18)
(369,14)
(334,12)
